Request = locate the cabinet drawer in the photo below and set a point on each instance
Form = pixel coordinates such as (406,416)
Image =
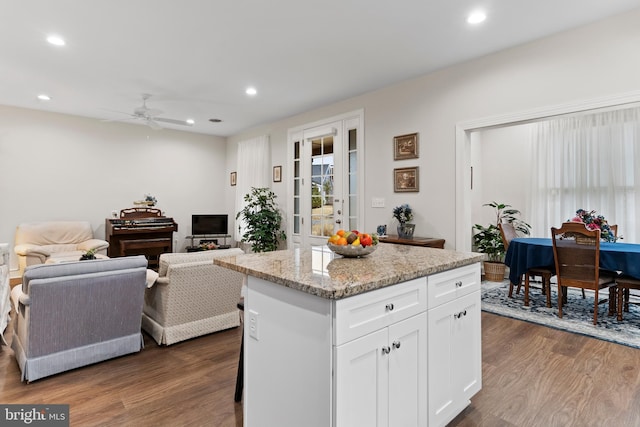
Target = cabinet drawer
(449,285)
(362,314)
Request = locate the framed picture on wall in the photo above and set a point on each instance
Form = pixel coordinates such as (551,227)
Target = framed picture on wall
(233,179)
(277,173)
(406,180)
(405,146)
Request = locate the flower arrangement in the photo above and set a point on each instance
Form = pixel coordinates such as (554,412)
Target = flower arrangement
(151,200)
(403,213)
(595,222)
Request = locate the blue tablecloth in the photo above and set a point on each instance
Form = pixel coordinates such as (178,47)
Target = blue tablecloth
(526,253)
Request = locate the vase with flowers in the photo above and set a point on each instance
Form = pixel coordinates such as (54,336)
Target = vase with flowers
(596,222)
(404,214)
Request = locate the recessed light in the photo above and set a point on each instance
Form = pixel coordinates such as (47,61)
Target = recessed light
(190,121)
(56,40)
(215,120)
(251,91)
(43,97)
(476,17)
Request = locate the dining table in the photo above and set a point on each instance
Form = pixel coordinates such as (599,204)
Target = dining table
(525,253)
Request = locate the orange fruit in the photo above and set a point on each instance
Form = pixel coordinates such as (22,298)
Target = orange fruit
(340,233)
(341,241)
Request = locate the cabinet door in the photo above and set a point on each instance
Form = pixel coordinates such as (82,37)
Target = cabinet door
(408,372)
(467,351)
(440,362)
(362,381)
(454,357)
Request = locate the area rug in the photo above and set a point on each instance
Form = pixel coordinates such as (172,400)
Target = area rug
(577,312)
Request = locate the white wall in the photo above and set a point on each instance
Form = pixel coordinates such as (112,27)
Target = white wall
(501,171)
(61,167)
(590,62)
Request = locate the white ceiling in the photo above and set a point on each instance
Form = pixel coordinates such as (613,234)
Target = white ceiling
(196,57)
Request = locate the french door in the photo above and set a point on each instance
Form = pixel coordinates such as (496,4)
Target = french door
(326,184)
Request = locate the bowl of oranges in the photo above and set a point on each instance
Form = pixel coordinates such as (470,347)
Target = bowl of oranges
(352,244)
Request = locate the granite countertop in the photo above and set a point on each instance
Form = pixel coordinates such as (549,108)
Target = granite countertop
(318,271)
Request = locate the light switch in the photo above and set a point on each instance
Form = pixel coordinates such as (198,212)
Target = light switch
(377,202)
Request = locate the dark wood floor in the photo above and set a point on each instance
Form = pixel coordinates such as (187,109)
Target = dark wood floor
(532,376)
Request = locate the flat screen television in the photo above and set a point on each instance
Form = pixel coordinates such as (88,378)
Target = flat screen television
(209,224)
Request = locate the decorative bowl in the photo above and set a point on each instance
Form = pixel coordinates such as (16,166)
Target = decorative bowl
(350,251)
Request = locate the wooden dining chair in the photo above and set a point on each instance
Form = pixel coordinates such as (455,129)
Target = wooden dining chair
(625,284)
(508,232)
(614,230)
(576,251)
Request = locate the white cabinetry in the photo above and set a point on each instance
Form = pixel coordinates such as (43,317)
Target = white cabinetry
(381,377)
(454,342)
(385,370)
(402,355)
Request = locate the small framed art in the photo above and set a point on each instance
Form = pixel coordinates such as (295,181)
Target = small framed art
(233,179)
(406,180)
(405,147)
(277,173)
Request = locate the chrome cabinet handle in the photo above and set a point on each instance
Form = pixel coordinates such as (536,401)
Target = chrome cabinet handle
(396,344)
(459,284)
(338,221)
(390,306)
(386,350)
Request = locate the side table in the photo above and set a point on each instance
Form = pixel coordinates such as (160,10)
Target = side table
(426,242)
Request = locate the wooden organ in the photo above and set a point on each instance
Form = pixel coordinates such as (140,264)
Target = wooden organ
(140,231)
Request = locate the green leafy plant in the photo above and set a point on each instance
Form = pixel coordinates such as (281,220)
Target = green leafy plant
(262,220)
(488,239)
(90,254)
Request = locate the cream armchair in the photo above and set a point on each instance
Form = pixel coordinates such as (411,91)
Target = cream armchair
(192,297)
(38,242)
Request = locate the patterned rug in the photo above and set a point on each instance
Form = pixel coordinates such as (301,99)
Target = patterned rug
(577,313)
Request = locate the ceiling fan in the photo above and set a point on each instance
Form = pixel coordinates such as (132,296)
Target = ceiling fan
(149,116)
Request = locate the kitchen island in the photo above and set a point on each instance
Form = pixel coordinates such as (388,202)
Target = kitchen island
(391,339)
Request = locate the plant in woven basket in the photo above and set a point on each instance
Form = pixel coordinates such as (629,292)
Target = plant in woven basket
(488,239)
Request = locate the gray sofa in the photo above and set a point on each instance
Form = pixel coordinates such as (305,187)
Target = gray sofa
(5,306)
(74,314)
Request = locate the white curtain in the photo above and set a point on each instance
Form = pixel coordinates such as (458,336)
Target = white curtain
(254,160)
(587,162)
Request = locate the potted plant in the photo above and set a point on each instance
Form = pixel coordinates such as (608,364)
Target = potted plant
(262,220)
(488,239)
(90,254)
